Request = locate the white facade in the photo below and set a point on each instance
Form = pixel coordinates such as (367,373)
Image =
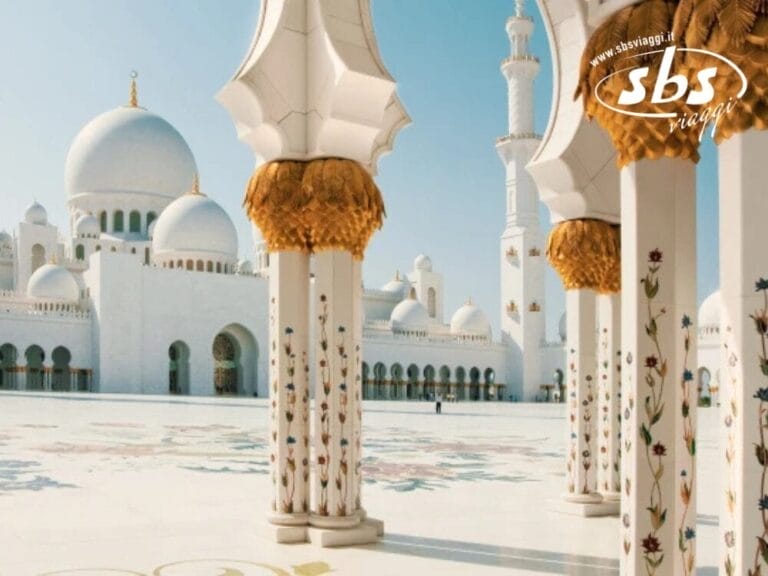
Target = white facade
(158,304)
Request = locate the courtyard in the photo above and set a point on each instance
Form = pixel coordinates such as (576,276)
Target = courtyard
(100,484)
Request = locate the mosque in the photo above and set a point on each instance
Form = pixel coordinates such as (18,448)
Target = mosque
(143,293)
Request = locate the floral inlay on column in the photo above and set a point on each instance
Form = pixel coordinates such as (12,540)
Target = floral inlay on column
(324,460)
(273,403)
(342,475)
(572,416)
(288,474)
(655,379)
(730,422)
(687,528)
(358,483)
(760,318)
(605,396)
(586,453)
(629,409)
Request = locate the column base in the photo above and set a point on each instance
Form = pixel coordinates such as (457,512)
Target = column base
(587,505)
(366,532)
(611,496)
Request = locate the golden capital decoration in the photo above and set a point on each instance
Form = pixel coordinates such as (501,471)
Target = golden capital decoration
(738,31)
(345,206)
(275,201)
(311,206)
(634,137)
(586,253)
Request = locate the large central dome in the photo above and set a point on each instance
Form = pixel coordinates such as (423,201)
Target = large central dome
(129,149)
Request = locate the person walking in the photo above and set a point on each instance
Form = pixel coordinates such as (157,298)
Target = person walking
(439,403)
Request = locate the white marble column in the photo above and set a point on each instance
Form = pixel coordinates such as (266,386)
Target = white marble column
(337,390)
(609,396)
(582,418)
(743,173)
(289,391)
(658,255)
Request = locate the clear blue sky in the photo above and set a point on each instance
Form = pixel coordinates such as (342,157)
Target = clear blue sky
(64,62)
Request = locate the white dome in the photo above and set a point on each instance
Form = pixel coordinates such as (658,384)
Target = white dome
(36,214)
(244,267)
(195,223)
(129,150)
(469,319)
(52,282)
(562,327)
(410,313)
(398,286)
(423,262)
(709,311)
(5,240)
(87,226)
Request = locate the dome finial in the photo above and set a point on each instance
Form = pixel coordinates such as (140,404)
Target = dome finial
(397,275)
(133,102)
(195,191)
(519,8)
(469,302)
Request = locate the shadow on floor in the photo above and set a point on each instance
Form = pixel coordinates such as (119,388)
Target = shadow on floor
(500,556)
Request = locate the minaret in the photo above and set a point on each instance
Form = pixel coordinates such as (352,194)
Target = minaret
(522,257)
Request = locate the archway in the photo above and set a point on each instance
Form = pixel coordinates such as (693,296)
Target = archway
(379,380)
(365,376)
(134,222)
(429,382)
(461,378)
(412,390)
(235,356)
(178,368)
(474,384)
(34,370)
(117,222)
(61,379)
(489,379)
(703,380)
(8,368)
(445,380)
(37,258)
(396,374)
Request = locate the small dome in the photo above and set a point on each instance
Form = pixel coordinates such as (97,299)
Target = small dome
(399,286)
(410,313)
(52,282)
(244,267)
(423,262)
(709,311)
(87,226)
(195,223)
(5,240)
(36,214)
(562,327)
(129,149)
(470,320)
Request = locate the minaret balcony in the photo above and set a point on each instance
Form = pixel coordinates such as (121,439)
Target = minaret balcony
(513,146)
(525,65)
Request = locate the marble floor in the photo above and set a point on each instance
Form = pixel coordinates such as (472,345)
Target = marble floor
(154,486)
